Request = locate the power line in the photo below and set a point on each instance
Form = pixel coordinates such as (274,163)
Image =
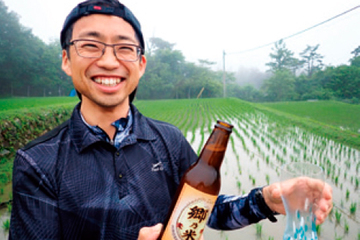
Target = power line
(298,33)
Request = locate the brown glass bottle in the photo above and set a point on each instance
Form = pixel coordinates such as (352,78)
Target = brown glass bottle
(198,189)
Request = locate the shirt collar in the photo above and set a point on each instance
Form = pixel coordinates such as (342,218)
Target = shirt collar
(83,137)
(120,124)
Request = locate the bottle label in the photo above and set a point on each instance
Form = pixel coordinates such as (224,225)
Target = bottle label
(190,214)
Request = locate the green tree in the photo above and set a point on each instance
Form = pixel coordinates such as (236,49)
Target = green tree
(155,44)
(312,60)
(168,75)
(163,72)
(282,58)
(196,78)
(303,87)
(247,92)
(56,82)
(280,86)
(10,29)
(356,52)
(28,66)
(343,81)
(355,60)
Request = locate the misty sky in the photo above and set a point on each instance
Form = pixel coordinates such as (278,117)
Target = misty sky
(202,29)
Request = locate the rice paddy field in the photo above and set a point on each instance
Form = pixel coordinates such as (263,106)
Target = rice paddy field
(261,142)
(265,137)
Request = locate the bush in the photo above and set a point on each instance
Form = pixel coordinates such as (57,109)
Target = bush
(353,100)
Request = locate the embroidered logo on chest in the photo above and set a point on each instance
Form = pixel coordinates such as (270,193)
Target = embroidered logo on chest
(157,167)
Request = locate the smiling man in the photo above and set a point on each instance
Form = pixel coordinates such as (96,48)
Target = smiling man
(109,172)
(105,64)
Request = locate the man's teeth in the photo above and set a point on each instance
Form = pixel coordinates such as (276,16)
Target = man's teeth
(108,81)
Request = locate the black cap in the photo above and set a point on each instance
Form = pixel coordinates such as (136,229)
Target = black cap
(102,7)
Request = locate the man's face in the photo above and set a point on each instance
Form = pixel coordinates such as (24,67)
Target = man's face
(105,82)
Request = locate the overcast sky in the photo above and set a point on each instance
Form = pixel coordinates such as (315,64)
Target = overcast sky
(203,29)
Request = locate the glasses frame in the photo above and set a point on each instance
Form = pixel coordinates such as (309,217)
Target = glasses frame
(139,50)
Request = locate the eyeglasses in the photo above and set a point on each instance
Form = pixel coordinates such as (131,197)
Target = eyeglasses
(95,49)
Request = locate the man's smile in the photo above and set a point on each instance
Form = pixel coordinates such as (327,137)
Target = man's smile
(108,81)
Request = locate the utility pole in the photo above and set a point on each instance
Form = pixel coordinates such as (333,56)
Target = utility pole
(224,75)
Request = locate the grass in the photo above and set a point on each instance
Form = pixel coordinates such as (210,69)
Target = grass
(338,114)
(16,104)
(347,135)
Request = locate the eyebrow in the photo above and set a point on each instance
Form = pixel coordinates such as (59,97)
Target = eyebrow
(99,35)
(90,34)
(121,37)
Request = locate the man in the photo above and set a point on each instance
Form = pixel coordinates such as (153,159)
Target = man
(93,177)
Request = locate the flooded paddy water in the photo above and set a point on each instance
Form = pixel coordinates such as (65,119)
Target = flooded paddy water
(4,216)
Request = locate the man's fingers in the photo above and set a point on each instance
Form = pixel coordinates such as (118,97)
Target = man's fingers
(325,205)
(327,193)
(150,233)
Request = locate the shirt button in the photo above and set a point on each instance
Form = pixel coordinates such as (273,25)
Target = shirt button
(117,154)
(120,175)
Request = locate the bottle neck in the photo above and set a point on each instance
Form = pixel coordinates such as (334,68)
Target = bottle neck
(214,149)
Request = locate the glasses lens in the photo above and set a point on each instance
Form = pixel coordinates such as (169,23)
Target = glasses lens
(127,52)
(89,49)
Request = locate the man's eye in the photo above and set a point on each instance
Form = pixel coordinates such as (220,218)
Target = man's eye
(126,48)
(89,45)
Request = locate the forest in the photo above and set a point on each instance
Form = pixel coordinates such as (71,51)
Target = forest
(30,67)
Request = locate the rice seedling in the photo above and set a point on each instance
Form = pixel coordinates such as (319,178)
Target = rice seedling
(258,229)
(267,179)
(6,225)
(346,227)
(238,183)
(338,238)
(318,229)
(337,216)
(9,207)
(353,208)
(336,180)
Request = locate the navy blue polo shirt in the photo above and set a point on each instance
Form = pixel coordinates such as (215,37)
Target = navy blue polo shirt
(71,184)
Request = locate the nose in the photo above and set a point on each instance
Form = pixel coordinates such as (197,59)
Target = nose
(108,60)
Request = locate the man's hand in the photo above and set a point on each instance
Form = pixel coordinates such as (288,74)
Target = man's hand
(150,233)
(272,197)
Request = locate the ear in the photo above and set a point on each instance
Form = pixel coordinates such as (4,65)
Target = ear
(66,63)
(142,65)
